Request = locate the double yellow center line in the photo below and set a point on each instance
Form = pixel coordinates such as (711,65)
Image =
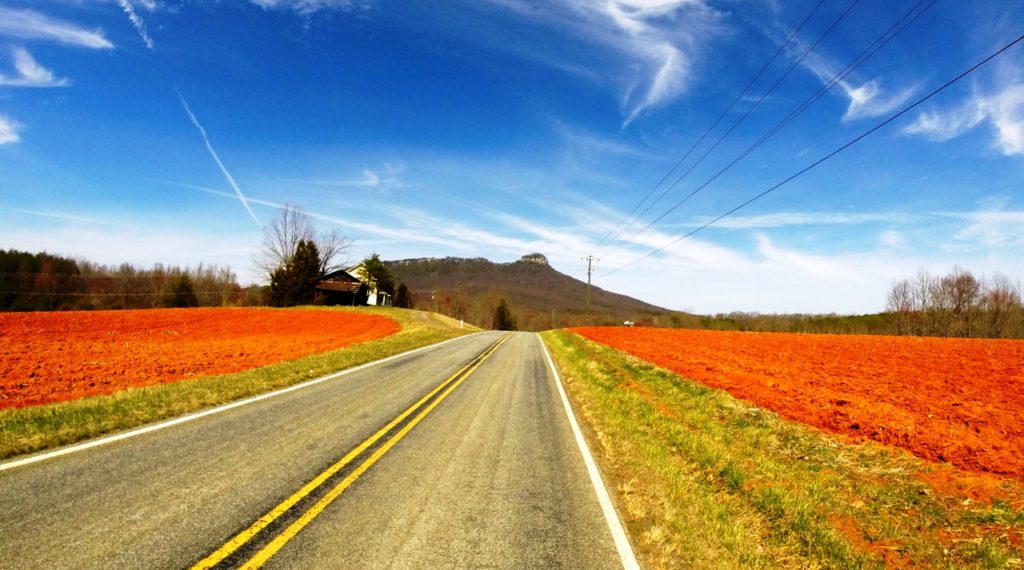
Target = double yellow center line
(261,531)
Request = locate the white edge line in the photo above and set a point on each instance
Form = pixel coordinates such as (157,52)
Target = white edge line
(222,408)
(622,544)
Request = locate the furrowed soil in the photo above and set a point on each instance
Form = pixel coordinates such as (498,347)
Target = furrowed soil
(55,357)
(950,400)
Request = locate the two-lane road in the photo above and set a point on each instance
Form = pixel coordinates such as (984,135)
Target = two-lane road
(460,455)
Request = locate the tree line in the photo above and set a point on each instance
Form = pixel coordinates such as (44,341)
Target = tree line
(294,256)
(792,322)
(45,282)
(956,305)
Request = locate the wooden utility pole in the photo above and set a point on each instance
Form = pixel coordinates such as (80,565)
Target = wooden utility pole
(590,259)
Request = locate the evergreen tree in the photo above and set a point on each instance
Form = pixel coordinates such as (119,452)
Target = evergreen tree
(503,318)
(280,285)
(377,276)
(403,298)
(295,282)
(182,294)
(307,272)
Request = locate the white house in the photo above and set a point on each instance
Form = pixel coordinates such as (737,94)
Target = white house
(373,297)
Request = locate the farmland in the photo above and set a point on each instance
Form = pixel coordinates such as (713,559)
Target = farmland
(54,357)
(31,428)
(952,400)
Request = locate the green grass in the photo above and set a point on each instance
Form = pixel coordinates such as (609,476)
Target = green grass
(705,480)
(36,428)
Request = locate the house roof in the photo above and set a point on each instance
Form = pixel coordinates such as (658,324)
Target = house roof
(339,280)
(339,275)
(340,286)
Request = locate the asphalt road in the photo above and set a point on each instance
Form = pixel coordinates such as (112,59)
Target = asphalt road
(482,474)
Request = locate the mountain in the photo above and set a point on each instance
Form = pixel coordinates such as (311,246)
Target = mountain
(539,297)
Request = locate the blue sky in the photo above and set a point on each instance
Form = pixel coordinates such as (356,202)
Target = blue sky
(169,131)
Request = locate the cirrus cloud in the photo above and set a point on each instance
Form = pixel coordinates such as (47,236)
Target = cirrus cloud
(31,25)
(655,45)
(30,72)
(1003,109)
(309,7)
(9,129)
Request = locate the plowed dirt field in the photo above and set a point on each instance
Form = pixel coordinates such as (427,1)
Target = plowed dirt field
(53,357)
(955,400)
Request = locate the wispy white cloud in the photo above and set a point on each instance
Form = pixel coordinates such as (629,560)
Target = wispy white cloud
(942,126)
(385,178)
(30,72)
(136,20)
(693,252)
(785,219)
(664,38)
(826,268)
(1006,111)
(309,7)
(991,226)
(31,25)
(892,241)
(547,238)
(1003,109)
(9,130)
(67,217)
(216,159)
(867,99)
(870,99)
(658,42)
(595,147)
(393,232)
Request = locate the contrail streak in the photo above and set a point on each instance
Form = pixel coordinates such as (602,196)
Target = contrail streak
(398,235)
(140,26)
(213,153)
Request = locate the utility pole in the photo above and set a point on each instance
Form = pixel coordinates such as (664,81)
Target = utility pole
(590,259)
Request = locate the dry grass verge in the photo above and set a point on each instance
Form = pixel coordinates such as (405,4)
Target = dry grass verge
(705,480)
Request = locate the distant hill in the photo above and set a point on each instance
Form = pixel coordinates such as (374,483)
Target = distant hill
(539,296)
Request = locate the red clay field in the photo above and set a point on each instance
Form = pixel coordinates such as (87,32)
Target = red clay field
(53,357)
(954,400)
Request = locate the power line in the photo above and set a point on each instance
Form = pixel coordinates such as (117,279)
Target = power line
(45,294)
(828,156)
(750,110)
(80,276)
(750,84)
(707,131)
(908,18)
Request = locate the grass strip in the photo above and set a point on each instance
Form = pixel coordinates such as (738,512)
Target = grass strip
(704,480)
(37,428)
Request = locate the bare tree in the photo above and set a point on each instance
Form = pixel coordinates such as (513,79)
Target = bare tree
(334,248)
(1002,304)
(290,226)
(964,292)
(282,235)
(901,304)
